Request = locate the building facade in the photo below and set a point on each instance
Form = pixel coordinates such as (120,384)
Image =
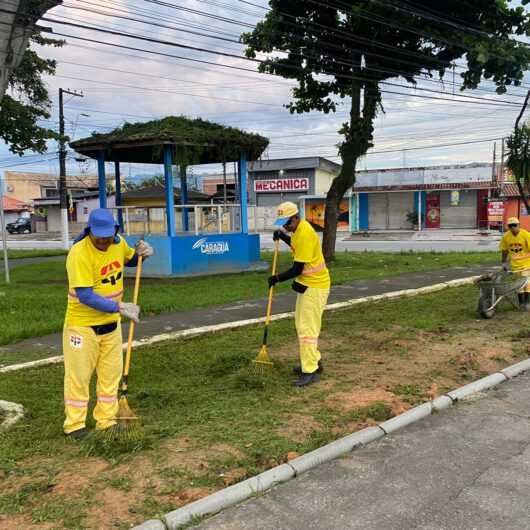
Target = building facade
(26,187)
(13,209)
(274,181)
(434,197)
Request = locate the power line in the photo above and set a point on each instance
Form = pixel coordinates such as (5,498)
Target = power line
(486,102)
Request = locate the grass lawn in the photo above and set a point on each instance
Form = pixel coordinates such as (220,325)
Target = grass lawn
(39,253)
(34,304)
(209,424)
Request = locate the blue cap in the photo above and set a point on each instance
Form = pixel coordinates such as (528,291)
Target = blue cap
(101,223)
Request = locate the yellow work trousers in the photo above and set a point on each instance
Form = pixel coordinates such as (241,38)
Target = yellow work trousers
(84,352)
(525,273)
(308,321)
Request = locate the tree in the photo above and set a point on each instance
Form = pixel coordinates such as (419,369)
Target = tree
(346,49)
(147,182)
(29,100)
(518,156)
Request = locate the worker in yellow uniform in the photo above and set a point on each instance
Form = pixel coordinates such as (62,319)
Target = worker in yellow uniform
(311,282)
(515,245)
(92,338)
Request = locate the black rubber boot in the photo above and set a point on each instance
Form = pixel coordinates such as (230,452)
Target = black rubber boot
(307,379)
(520,296)
(526,301)
(297,370)
(80,434)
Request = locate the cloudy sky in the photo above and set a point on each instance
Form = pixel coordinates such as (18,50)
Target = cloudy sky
(128,83)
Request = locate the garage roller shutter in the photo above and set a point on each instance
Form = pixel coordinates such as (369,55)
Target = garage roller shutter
(377,211)
(399,204)
(463,215)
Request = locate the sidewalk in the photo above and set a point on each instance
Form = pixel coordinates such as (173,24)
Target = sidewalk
(465,468)
(50,345)
(426,235)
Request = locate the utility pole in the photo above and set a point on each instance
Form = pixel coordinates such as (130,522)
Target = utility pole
(4,233)
(63,192)
(501,171)
(224,184)
(494,164)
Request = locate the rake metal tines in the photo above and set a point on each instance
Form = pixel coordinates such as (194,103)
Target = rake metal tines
(262,363)
(127,427)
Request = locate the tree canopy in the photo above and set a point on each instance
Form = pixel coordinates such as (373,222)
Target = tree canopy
(339,50)
(28,101)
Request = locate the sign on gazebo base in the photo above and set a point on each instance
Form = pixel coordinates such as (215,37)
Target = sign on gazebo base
(188,255)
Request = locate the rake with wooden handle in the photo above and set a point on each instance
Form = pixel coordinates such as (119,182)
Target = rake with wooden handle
(263,362)
(127,425)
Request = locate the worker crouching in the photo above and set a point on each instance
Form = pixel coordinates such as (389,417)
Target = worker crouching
(92,338)
(311,282)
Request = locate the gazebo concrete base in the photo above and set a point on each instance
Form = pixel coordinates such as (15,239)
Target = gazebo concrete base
(188,255)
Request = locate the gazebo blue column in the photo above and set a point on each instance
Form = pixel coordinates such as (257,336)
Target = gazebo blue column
(102,184)
(184,198)
(243,178)
(117,177)
(170,199)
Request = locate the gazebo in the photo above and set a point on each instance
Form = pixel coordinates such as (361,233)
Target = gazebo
(180,141)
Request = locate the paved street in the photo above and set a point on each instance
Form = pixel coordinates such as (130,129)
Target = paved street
(405,245)
(467,468)
(359,245)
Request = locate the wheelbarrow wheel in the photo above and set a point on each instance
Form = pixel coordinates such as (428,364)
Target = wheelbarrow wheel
(484,307)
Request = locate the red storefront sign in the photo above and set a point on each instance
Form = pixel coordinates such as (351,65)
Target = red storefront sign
(495,211)
(274,185)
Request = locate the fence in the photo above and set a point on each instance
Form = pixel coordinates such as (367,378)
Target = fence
(202,219)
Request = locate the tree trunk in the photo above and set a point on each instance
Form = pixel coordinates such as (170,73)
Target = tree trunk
(522,194)
(358,137)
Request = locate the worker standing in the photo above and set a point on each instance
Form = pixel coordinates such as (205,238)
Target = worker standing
(92,338)
(312,283)
(515,244)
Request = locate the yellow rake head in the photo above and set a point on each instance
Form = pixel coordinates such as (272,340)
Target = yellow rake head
(127,427)
(262,362)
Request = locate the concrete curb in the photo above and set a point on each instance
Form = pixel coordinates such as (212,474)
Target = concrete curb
(411,416)
(237,493)
(477,386)
(193,332)
(31,364)
(516,369)
(335,449)
(152,524)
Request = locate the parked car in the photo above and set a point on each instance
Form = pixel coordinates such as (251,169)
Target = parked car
(20,226)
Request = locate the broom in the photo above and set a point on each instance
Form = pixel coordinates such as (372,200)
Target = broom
(127,427)
(263,362)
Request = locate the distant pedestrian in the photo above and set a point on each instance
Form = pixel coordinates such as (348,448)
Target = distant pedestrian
(515,245)
(311,282)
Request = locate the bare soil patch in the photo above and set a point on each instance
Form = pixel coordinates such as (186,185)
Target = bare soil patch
(370,374)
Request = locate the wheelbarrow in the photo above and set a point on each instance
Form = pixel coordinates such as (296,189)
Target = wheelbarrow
(497,286)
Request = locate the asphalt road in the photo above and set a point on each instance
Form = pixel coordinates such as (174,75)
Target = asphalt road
(359,246)
(407,245)
(467,468)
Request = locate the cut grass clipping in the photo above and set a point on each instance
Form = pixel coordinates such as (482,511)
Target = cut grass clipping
(41,289)
(208,425)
